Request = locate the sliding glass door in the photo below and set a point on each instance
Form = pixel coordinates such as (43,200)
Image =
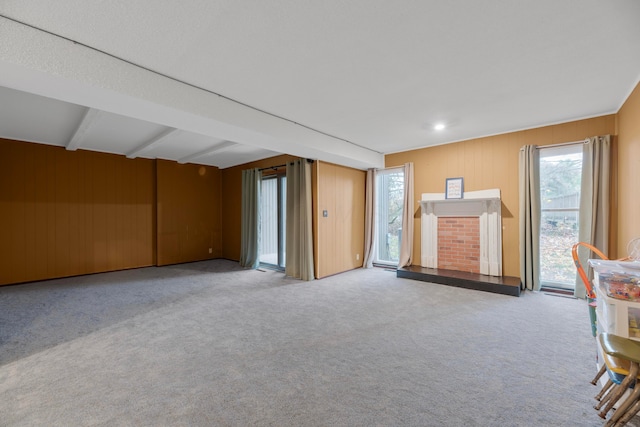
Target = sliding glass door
(560,182)
(272,220)
(389,207)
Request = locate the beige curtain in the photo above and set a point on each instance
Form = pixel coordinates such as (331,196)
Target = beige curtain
(370,219)
(250,218)
(594,199)
(299,240)
(529,191)
(406,245)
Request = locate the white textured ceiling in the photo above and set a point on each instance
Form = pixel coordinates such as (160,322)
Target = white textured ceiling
(225,82)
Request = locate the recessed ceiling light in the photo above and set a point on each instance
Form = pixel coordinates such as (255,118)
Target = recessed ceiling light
(439,126)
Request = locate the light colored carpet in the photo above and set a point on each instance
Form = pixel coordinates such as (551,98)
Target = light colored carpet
(210,344)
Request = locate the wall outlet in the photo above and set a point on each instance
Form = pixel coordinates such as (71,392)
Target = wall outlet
(210,250)
(357,257)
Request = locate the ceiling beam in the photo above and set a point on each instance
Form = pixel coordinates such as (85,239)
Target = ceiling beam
(150,143)
(90,117)
(132,91)
(224,145)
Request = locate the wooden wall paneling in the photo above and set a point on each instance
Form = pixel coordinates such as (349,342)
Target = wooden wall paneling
(201,221)
(123,214)
(144,212)
(327,225)
(62,227)
(89,174)
(31,216)
(323,222)
(168,223)
(216,235)
(39,258)
(100,246)
(340,235)
(76,219)
(191,214)
(626,214)
(187,206)
(84,215)
(6,213)
(19,225)
(112,215)
(120,214)
(469,155)
(342,221)
(130,211)
(10,193)
(167,235)
(232,212)
(67,213)
(49,183)
(148,213)
(348,204)
(356,203)
(154,210)
(565,132)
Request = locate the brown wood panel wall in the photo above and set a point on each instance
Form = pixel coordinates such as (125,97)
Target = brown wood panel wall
(189,212)
(628,194)
(65,213)
(490,162)
(339,236)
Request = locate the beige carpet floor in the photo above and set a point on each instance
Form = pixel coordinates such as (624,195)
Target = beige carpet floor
(210,344)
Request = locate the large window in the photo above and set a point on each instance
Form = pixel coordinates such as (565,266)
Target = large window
(272,220)
(560,180)
(389,203)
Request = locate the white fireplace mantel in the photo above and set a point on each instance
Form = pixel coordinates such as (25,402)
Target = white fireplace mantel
(484,204)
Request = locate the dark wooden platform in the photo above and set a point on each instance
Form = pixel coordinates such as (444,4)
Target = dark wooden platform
(505,285)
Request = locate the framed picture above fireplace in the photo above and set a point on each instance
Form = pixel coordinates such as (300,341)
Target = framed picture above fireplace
(454,188)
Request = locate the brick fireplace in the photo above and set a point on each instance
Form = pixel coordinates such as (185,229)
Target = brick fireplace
(462,234)
(459,243)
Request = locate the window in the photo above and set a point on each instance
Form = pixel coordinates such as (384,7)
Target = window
(560,181)
(272,220)
(389,206)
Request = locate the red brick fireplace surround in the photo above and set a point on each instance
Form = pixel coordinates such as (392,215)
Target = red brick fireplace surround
(459,243)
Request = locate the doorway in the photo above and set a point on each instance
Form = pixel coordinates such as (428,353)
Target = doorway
(560,183)
(273,201)
(389,208)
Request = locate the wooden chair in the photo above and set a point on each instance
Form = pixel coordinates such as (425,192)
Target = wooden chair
(627,351)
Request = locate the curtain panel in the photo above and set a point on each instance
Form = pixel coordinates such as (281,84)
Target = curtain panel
(406,245)
(299,240)
(369,220)
(529,221)
(250,221)
(594,217)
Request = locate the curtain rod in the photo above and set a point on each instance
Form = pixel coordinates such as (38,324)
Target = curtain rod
(584,141)
(540,147)
(281,166)
(272,167)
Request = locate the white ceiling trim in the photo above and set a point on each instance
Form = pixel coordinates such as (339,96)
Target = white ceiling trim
(151,143)
(31,61)
(90,117)
(225,145)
